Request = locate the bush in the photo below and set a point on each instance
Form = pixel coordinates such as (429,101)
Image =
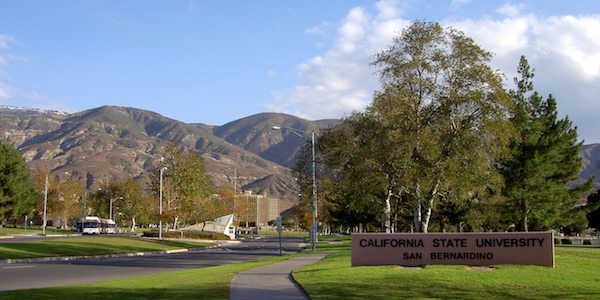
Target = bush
(587,242)
(556,241)
(176,234)
(566,242)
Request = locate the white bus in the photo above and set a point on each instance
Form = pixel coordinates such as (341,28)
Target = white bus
(89,225)
(108,226)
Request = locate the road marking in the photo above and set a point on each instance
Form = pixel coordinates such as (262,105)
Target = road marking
(17,267)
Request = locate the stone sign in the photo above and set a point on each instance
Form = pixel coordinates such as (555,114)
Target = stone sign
(473,249)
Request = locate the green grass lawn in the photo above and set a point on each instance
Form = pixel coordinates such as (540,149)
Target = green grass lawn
(204,283)
(576,276)
(32,230)
(91,245)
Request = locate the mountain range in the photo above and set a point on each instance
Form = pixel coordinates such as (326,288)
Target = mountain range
(112,142)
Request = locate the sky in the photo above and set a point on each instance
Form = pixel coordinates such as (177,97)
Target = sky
(213,62)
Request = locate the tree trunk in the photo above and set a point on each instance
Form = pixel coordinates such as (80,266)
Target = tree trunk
(432,195)
(175,221)
(525,214)
(132,224)
(63,222)
(417,209)
(387,213)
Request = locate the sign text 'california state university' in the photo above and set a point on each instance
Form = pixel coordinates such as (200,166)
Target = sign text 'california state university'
(473,249)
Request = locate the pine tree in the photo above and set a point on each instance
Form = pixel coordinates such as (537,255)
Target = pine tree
(545,157)
(17,193)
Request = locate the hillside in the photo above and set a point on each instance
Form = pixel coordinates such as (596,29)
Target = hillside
(109,142)
(590,156)
(256,134)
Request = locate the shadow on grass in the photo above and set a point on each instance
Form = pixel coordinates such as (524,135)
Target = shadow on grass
(205,291)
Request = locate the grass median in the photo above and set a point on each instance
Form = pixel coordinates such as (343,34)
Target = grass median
(90,245)
(35,230)
(576,276)
(204,283)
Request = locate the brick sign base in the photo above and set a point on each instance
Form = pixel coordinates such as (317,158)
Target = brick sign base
(472,249)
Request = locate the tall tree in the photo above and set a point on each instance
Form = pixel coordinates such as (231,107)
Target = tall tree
(186,186)
(545,158)
(364,176)
(132,204)
(17,190)
(445,109)
(65,201)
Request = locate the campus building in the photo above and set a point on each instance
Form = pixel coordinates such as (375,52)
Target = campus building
(253,212)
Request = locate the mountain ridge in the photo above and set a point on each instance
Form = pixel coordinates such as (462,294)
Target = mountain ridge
(108,142)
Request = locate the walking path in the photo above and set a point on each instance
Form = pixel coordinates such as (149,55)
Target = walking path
(273,281)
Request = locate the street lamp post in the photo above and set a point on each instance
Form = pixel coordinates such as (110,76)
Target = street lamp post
(315,224)
(110,210)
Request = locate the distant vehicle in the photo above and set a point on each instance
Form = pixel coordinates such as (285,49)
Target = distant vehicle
(89,225)
(108,226)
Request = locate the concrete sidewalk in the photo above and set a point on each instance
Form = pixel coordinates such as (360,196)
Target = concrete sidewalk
(273,281)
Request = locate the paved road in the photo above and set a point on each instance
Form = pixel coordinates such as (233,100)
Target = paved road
(46,274)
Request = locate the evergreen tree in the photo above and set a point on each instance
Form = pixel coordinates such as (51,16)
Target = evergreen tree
(545,157)
(17,192)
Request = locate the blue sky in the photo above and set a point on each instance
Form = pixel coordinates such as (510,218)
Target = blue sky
(216,61)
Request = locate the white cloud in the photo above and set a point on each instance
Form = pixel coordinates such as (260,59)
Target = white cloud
(192,7)
(320,29)
(390,9)
(327,84)
(5,41)
(459,3)
(511,10)
(564,50)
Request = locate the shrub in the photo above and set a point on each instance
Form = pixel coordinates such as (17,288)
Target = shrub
(556,241)
(566,242)
(587,242)
(176,234)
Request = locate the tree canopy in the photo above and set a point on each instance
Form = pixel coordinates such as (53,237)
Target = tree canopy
(186,187)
